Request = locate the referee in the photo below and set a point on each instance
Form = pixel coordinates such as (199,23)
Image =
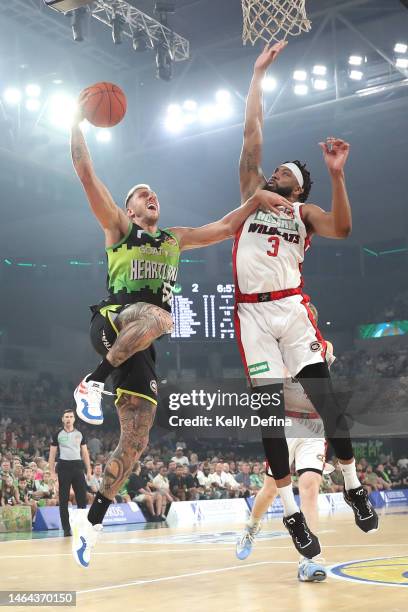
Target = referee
(73,454)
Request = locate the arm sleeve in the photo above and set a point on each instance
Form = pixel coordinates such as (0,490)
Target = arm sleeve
(84,439)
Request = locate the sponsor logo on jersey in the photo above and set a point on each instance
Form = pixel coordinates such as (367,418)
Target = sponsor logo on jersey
(258,368)
(142,269)
(316,346)
(153,386)
(270,219)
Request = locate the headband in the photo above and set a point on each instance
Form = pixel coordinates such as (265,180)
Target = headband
(295,169)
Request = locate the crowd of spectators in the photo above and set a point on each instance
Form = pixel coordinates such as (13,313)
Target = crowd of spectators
(164,475)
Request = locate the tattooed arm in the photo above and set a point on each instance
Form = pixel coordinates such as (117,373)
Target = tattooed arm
(113,220)
(250,171)
(136,416)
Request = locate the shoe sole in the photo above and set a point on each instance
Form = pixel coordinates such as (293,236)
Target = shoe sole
(316,579)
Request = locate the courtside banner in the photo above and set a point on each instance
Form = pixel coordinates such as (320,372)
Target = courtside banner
(118,514)
(395,498)
(207,511)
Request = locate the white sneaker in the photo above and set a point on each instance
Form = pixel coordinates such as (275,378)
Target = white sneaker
(246,541)
(84,536)
(88,398)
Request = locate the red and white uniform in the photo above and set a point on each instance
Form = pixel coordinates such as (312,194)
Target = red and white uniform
(276,330)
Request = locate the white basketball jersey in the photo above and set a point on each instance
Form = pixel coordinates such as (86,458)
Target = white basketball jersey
(296,399)
(269,251)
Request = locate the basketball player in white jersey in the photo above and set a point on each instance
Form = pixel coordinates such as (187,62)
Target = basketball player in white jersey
(276,331)
(307,451)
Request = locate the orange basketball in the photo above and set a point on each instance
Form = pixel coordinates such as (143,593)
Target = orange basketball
(105,104)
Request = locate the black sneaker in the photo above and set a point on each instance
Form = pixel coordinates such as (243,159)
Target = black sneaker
(306,543)
(67,533)
(364,514)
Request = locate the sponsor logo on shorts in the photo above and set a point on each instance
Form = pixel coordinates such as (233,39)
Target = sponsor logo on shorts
(316,346)
(258,368)
(153,386)
(105,341)
(321,458)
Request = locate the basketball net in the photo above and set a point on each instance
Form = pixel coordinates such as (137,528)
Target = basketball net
(273,19)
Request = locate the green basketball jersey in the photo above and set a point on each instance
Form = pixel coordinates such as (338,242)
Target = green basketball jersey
(143,267)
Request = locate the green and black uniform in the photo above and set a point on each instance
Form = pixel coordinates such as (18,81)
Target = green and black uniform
(142,267)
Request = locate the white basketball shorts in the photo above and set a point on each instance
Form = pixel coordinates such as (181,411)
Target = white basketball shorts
(277,339)
(306,451)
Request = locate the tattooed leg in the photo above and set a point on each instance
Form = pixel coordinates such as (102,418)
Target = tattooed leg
(139,324)
(136,417)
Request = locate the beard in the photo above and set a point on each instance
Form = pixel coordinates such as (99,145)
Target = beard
(285,192)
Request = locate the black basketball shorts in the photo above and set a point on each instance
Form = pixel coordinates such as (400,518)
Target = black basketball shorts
(137,375)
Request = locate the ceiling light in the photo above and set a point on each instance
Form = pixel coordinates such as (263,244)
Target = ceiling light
(300,75)
(319,70)
(301,90)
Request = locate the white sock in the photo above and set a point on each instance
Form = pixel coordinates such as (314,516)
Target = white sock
(351,480)
(288,500)
(252,522)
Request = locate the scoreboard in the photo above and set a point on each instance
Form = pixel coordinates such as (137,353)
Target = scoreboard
(203,312)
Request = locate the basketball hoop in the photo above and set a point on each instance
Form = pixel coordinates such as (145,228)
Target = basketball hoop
(273,19)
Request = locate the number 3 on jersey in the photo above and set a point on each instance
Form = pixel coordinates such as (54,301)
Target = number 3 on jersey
(274,240)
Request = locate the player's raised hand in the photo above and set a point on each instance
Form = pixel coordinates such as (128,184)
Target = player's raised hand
(269,201)
(335,153)
(269,55)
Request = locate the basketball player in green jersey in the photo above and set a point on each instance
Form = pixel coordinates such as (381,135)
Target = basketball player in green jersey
(142,270)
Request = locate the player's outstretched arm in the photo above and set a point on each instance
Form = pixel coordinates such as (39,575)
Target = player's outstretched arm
(109,215)
(250,171)
(338,222)
(228,226)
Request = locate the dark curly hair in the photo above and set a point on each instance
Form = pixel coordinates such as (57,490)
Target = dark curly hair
(307,185)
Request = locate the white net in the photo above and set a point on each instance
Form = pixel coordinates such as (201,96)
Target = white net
(273,19)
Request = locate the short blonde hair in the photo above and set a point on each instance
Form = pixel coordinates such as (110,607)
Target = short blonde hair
(132,191)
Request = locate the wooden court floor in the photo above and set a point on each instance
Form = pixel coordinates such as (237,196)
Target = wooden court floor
(196,570)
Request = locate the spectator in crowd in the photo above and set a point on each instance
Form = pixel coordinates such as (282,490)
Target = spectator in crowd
(336,479)
(9,495)
(189,484)
(203,477)
(383,474)
(374,482)
(256,479)
(44,490)
(96,478)
(5,468)
(138,490)
(178,484)
(244,480)
(231,484)
(180,458)
(403,463)
(161,484)
(218,482)
(397,481)
(172,468)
